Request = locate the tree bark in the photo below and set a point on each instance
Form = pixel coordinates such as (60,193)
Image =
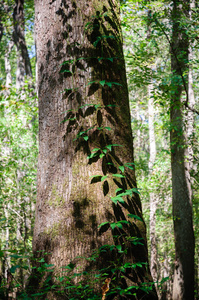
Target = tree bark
(153,205)
(80,73)
(183,286)
(8,65)
(23,60)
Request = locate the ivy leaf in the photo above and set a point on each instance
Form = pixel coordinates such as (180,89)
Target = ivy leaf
(85,138)
(109,147)
(127,193)
(130,167)
(109,84)
(118,190)
(117,145)
(108,128)
(97,41)
(117,198)
(121,168)
(135,191)
(116,83)
(13,268)
(119,175)
(113,225)
(102,82)
(97,106)
(104,177)
(66,71)
(135,217)
(119,248)
(102,224)
(105,150)
(95,149)
(91,82)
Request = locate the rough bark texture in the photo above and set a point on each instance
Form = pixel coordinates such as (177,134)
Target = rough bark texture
(8,65)
(183,286)
(78,46)
(153,203)
(23,60)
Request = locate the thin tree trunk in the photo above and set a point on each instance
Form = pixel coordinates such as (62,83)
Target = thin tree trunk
(81,66)
(8,65)
(183,285)
(23,60)
(152,157)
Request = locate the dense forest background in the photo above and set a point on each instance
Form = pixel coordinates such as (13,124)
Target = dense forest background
(147,34)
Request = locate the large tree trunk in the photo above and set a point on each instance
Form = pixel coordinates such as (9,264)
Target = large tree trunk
(82,92)
(183,286)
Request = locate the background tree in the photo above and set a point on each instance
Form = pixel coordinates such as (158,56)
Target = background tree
(181,185)
(138,60)
(18,150)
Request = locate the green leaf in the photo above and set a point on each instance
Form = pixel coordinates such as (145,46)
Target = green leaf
(109,147)
(124,222)
(97,41)
(66,71)
(130,167)
(92,155)
(42,260)
(91,82)
(118,190)
(102,82)
(86,138)
(119,175)
(116,83)
(135,217)
(97,106)
(13,268)
(122,168)
(119,247)
(104,177)
(95,149)
(135,190)
(95,176)
(119,225)
(117,145)
(108,128)
(113,225)
(109,84)
(117,198)
(102,224)
(127,193)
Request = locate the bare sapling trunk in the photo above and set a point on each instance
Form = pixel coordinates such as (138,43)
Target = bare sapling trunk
(153,199)
(23,60)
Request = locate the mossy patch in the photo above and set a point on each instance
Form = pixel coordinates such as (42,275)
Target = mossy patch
(55,199)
